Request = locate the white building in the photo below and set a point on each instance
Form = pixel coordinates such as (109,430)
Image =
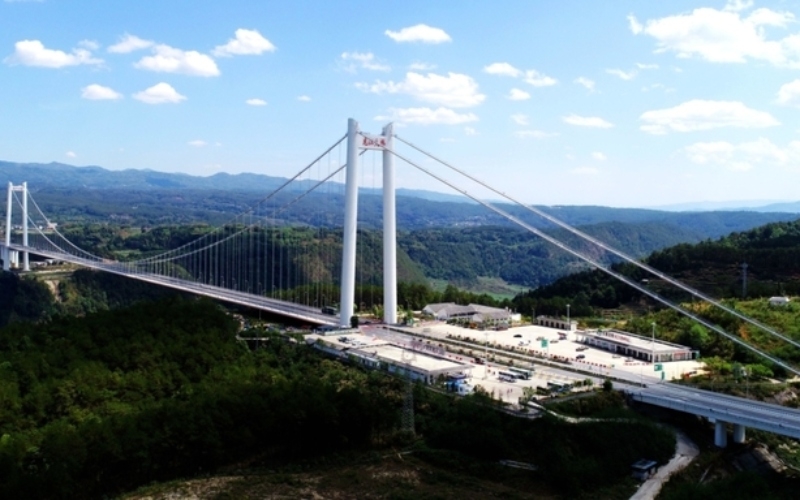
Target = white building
(779,301)
(472,313)
(380,355)
(636,346)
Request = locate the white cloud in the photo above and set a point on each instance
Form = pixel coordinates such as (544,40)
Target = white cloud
(646,66)
(166,59)
(246,43)
(503,69)
(447,139)
(585,171)
(363,60)
(587,121)
(421,66)
(427,116)
(518,95)
(587,83)
(198,143)
(89,44)
(789,94)
(71,154)
(625,75)
(97,92)
(744,156)
(256,102)
(519,119)
(419,33)
(130,43)
(160,93)
(454,90)
(303,98)
(34,53)
(470,131)
(725,36)
(704,115)
(738,5)
(533,134)
(537,79)
(597,155)
(635,26)
(658,86)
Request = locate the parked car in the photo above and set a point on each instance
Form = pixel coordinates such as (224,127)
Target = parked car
(517,335)
(580,356)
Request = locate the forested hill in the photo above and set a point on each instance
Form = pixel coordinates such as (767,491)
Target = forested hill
(147,197)
(772,254)
(458,255)
(520,257)
(214,206)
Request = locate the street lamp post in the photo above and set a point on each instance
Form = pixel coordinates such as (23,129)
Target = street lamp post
(485,354)
(569,325)
(653,347)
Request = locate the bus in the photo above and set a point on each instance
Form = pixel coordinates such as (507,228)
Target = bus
(556,387)
(521,374)
(506,376)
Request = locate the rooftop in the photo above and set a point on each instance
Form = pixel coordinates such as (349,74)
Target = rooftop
(633,340)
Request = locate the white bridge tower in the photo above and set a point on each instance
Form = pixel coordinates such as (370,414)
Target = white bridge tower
(356,141)
(11,257)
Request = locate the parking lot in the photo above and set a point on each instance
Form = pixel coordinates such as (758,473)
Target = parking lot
(561,346)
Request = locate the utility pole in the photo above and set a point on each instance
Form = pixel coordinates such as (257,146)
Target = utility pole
(653,354)
(485,355)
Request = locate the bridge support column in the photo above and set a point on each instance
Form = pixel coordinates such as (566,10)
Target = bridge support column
(7,241)
(26,266)
(348,285)
(720,434)
(389,231)
(6,249)
(738,433)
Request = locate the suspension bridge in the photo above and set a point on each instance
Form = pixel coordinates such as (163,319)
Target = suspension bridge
(252,260)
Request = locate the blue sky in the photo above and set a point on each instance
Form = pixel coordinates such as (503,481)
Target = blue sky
(619,103)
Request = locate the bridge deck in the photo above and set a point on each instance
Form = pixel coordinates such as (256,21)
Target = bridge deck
(275,306)
(722,407)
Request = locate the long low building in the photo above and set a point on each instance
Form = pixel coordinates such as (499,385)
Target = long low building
(636,346)
(381,355)
(472,313)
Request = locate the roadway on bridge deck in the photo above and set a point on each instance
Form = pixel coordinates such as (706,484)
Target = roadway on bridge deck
(296,311)
(715,406)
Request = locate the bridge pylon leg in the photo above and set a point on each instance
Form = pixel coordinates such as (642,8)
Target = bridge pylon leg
(389,232)
(348,284)
(738,433)
(720,434)
(26,266)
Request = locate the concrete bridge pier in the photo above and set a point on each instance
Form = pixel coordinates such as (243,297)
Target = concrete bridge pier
(720,434)
(738,433)
(10,258)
